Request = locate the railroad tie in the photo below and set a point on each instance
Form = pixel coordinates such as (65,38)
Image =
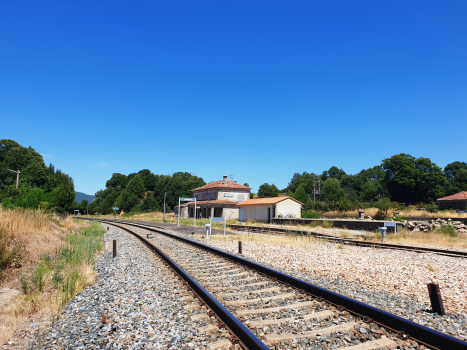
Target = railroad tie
(209,329)
(213,289)
(383,342)
(265,290)
(192,306)
(199,317)
(276,338)
(276,321)
(223,344)
(207,277)
(275,309)
(257,300)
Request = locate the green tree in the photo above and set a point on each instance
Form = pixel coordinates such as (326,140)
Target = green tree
(333,192)
(136,187)
(301,194)
(117,181)
(333,172)
(266,190)
(456,175)
(412,180)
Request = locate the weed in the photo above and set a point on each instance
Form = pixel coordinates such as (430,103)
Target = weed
(7,255)
(430,268)
(344,234)
(40,274)
(448,230)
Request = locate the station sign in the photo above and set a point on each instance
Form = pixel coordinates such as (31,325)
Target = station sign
(188,199)
(115,208)
(461,211)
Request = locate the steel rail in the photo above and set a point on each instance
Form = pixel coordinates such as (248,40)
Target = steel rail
(452,253)
(404,327)
(246,338)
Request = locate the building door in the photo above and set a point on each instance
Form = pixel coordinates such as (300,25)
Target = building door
(269,215)
(241,214)
(273,212)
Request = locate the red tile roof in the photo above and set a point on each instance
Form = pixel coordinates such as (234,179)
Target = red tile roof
(220,185)
(461,196)
(219,201)
(267,201)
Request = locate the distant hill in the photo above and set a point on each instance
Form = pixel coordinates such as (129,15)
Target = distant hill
(80,196)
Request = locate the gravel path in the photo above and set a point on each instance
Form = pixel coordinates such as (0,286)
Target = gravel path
(395,281)
(142,303)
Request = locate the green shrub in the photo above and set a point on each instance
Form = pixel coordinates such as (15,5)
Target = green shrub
(432,208)
(310,214)
(449,230)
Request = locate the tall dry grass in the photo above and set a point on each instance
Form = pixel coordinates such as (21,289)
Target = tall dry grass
(294,241)
(410,212)
(42,237)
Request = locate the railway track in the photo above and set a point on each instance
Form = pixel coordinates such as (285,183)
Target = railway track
(265,309)
(349,241)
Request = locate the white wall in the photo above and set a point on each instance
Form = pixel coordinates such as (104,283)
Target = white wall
(288,206)
(283,210)
(256,212)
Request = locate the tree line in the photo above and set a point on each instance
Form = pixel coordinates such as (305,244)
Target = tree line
(40,186)
(142,191)
(401,178)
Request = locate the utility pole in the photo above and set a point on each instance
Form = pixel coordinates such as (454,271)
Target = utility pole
(315,191)
(163,218)
(17,176)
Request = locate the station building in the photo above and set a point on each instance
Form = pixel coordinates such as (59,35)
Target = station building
(265,209)
(455,201)
(216,199)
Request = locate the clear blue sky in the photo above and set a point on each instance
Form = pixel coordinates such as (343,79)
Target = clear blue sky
(255,89)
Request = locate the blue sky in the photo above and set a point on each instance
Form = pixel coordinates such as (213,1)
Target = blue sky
(255,89)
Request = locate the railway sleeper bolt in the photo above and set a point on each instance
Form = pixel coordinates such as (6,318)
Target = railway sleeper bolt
(402,335)
(234,339)
(211,313)
(202,303)
(320,298)
(221,325)
(341,308)
(367,319)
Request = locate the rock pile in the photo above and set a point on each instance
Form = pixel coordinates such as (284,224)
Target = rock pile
(434,224)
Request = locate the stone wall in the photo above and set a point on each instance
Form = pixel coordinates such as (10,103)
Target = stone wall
(366,225)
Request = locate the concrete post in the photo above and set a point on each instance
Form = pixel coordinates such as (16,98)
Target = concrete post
(361,215)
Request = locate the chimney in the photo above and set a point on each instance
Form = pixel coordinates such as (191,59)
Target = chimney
(225,180)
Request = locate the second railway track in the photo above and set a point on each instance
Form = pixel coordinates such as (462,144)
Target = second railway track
(286,313)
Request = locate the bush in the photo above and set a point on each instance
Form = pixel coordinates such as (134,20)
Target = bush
(432,208)
(449,230)
(310,214)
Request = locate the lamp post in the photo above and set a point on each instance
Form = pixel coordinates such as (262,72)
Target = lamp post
(163,218)
(17,176)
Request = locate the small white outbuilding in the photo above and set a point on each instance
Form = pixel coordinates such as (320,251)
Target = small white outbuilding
(265,209)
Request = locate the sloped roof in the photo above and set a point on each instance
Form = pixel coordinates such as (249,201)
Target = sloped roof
(267,201)
(461,196)
(220,185)
(217,201)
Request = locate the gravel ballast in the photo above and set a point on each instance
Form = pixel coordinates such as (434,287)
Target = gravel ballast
(137,303)
(395,281)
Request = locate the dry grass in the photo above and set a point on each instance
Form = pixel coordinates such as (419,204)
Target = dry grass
(294,241)
(411,212)
(42,236)
(429,239)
